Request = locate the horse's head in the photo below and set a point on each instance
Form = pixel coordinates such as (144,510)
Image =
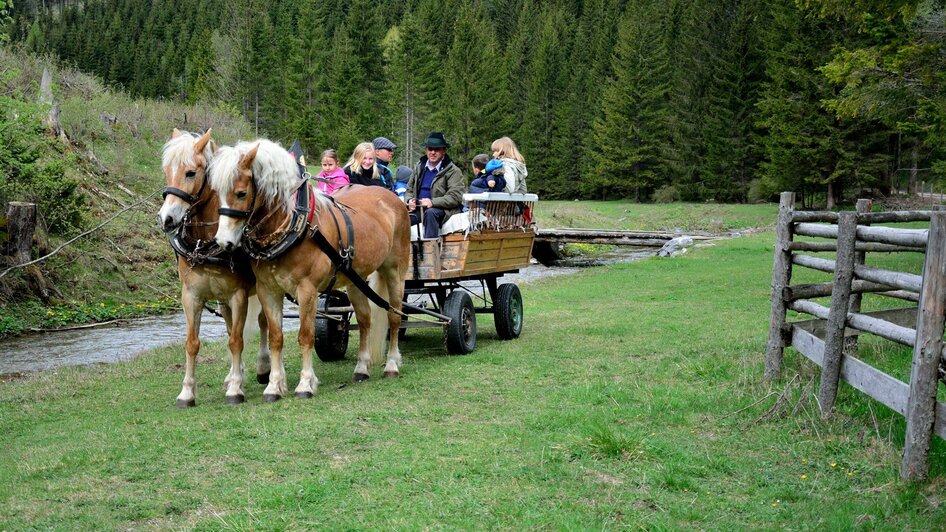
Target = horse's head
(253,181)
(185,161)
(236,188)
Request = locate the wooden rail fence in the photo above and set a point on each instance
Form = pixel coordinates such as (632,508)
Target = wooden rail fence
(830,340)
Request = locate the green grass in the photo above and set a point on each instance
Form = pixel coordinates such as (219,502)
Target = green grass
(626,215)
(634,398)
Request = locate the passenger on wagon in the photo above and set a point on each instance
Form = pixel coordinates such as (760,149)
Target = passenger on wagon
(331,178)
(488,176)
(435,188)
(383,153)
(361,168)
(514,164)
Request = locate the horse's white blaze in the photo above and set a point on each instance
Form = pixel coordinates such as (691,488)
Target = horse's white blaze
(229,231)
(172,212)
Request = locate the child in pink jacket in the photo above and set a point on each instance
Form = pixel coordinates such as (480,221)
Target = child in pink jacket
(331,178)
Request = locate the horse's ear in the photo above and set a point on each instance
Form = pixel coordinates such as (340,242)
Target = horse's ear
(247,160)
(176,133)
(202,142)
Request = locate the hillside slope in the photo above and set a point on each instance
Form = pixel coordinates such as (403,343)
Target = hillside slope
(108,162)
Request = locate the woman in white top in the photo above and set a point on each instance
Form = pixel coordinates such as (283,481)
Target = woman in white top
(514,165)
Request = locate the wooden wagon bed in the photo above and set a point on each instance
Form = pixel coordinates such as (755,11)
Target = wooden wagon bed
(458,256)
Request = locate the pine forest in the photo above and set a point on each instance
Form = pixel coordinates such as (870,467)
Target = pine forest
(654,100)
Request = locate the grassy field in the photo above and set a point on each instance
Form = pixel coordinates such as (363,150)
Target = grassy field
(704,217)
(634,398)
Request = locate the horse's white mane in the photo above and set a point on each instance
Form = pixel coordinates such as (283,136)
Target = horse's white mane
(179,151)
(275,172)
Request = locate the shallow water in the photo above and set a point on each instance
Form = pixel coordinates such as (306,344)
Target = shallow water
(126,340)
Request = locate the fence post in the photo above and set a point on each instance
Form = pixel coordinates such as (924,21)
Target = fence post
(781,276)
(850,343)
(837,319)
(921,406)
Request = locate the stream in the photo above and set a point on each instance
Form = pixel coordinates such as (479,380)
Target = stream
(126,340)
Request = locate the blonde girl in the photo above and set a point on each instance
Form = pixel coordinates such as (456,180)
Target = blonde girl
(361,168)
(514,164)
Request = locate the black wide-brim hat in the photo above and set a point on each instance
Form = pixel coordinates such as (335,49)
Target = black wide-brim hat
(436,140)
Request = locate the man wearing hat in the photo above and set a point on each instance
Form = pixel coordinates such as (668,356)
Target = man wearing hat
(435,189)
(383,153)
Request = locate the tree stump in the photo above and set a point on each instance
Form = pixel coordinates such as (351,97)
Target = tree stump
(21,225)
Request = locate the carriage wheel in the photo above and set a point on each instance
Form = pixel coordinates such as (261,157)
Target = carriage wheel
(507,311)
(461,331)
(331,336)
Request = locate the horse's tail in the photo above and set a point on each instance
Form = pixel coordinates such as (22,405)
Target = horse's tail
(251,327)
(254,309)
(379,320)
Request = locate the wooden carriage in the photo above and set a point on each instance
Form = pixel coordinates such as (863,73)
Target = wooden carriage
(493,238)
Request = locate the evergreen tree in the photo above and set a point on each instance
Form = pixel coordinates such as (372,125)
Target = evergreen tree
(632,133)
(544,87)
(729,128)
(470,84)
(588,65)
(416,71)
(806,148)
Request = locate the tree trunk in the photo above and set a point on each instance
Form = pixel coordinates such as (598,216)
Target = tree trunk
(914,166)
(830,197)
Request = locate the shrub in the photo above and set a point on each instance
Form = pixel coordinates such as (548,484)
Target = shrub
(666,194)
(33,169)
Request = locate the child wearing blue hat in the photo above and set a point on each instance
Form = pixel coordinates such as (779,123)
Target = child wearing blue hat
(489,175)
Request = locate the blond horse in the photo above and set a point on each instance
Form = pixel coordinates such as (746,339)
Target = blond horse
(257,183)
(190,210)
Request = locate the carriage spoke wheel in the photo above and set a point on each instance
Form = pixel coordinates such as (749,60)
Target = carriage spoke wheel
(507,311)
(331,336)
(461,331)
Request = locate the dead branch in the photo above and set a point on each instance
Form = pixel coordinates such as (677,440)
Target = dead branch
(778,402)
(90,231)
(770,394)
(77,327)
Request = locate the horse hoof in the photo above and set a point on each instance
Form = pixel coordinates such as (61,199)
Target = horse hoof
(186,404)
(262,378)
(359,377)
(391,374)
(270,398)
(304,395)
(233,399)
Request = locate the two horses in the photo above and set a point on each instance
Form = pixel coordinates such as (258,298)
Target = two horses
(251,204)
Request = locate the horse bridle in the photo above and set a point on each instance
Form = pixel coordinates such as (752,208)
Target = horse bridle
(241,214)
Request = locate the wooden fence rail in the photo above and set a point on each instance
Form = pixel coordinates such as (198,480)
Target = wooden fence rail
(830,340)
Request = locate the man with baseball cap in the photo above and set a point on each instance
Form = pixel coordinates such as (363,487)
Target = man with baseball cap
(383,153)
(435,188)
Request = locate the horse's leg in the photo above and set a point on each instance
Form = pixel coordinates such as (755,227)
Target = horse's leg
(272,307)
(193,306)
(234,381)
(308,382)
(363,314)
(395,294)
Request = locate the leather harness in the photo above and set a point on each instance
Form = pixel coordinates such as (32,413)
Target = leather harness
(196,251)
(301,224)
